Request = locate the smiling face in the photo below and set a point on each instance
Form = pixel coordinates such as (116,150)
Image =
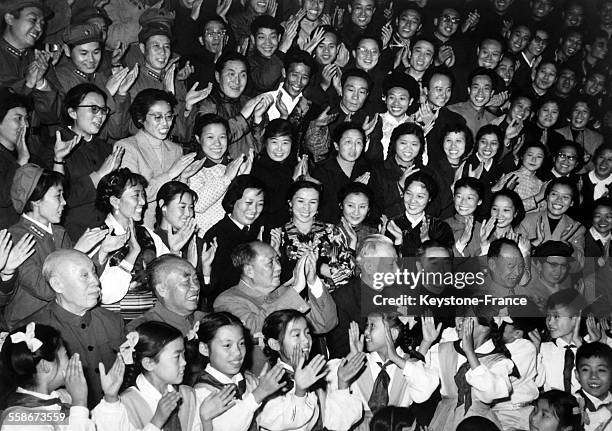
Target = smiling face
(580,115)
(548,114)
(538,43)
(233,78)
(480,91)
(355,208)
(304,205)
(599,48)
(416,198)
(131,203)
(181,290)
(501,6)
(454,146)
(179,210)
(313,8)
(489,54)
(297,78)
(366,54)
(408,23)
(375,334)
(553,269)
(227,350)
(541,8)
(566,160)
(504,211)
(265,269)
(50,208)
(398,101)
(519,38)
(603,164)
(169,365)
(278,148)
(566,82)
(158,120)
(508,268)
(594,376)
(354,93)
(215,35)
(407,147)
(466,201)
(25,28)
(86,57)
(594,84)
(248,207)
(559,200)
(488,146)
(85,121)
(213,141)
(602,219)
(560,321)
(533,159)
(14,120)
(157,51)
(361,12)
(439,90)
(448,22)
(350,146)
(545,76)
(506,69)
(296,335)
(572,44)
(258,6)
(520,109)
(573,16)
(422,55)
(327,50)
(266,41)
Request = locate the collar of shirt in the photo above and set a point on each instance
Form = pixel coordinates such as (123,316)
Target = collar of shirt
(597,236)
(10,48)
(82,137)
(153,73)
(600,185)
(484,348)
(237,223)
(529,63)
(374,359)
(557,174)
(176,320)
(560,343)
(414,221)
(42,396)
(286,366)
(112,223)
(47,229)
(487,165)
(66,316)
(148,392)
(596,401)
(222,377)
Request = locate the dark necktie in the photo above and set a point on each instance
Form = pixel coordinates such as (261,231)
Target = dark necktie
(568,366)
(245,230)
(206,378)
(380,392)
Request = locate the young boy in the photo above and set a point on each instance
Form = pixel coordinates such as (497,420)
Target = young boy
(593,371)
(265,64)
(558,355)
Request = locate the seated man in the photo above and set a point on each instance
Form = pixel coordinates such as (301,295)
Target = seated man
(505,269)
(175,284)
(88,329)
(259,292)
(552,222)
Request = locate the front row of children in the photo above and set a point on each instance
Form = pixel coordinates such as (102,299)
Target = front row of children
(489,374)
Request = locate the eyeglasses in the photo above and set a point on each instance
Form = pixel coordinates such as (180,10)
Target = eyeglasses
(557,265)
(372,52)
(450,18)
(159,117)
(216,33)
(563,156)
(95,109)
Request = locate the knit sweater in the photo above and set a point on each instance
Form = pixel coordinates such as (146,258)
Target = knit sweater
(210,184)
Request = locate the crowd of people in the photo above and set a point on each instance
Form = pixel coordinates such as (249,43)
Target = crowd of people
(204,228)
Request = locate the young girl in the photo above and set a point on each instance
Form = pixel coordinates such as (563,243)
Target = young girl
(414,227)
(388,377)
(35,366)
(288,343)
(595,183)
(457,142)
(555,410)
(466,229)
(354,201)
(524,180)
(157,352)
(222,342)
(473,371)
(504,221)
(211,182)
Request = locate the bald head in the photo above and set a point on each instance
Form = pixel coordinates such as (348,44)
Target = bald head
(159,269)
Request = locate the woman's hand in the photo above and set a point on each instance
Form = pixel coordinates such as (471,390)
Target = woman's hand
(90,239)
(540,235)
(270,382)
(180,165)
(111,162)
(19,253)
(301,168)
(246,167)
(430,331)
(350,233)
(217,403)
(468,335)
(536,339)
(208,255)
(276,238)
(355,339)
(306,376)
(195,96)
(178,240)
(61,149)
(75,382)
(21,148)
(166,405)
(466,236)
(325,118)
(111,381)
(191,170)
(349,368)
(396,232)
(424,232)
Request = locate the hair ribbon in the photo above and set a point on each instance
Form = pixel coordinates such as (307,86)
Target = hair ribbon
(126,350)
(28,337)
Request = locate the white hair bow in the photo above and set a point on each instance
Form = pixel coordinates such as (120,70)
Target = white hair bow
(193,332)
(126,350)
(501,319)
(29,338)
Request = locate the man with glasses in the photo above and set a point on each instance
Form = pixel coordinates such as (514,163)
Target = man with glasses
(550,268)
(445,37)
(530,56)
